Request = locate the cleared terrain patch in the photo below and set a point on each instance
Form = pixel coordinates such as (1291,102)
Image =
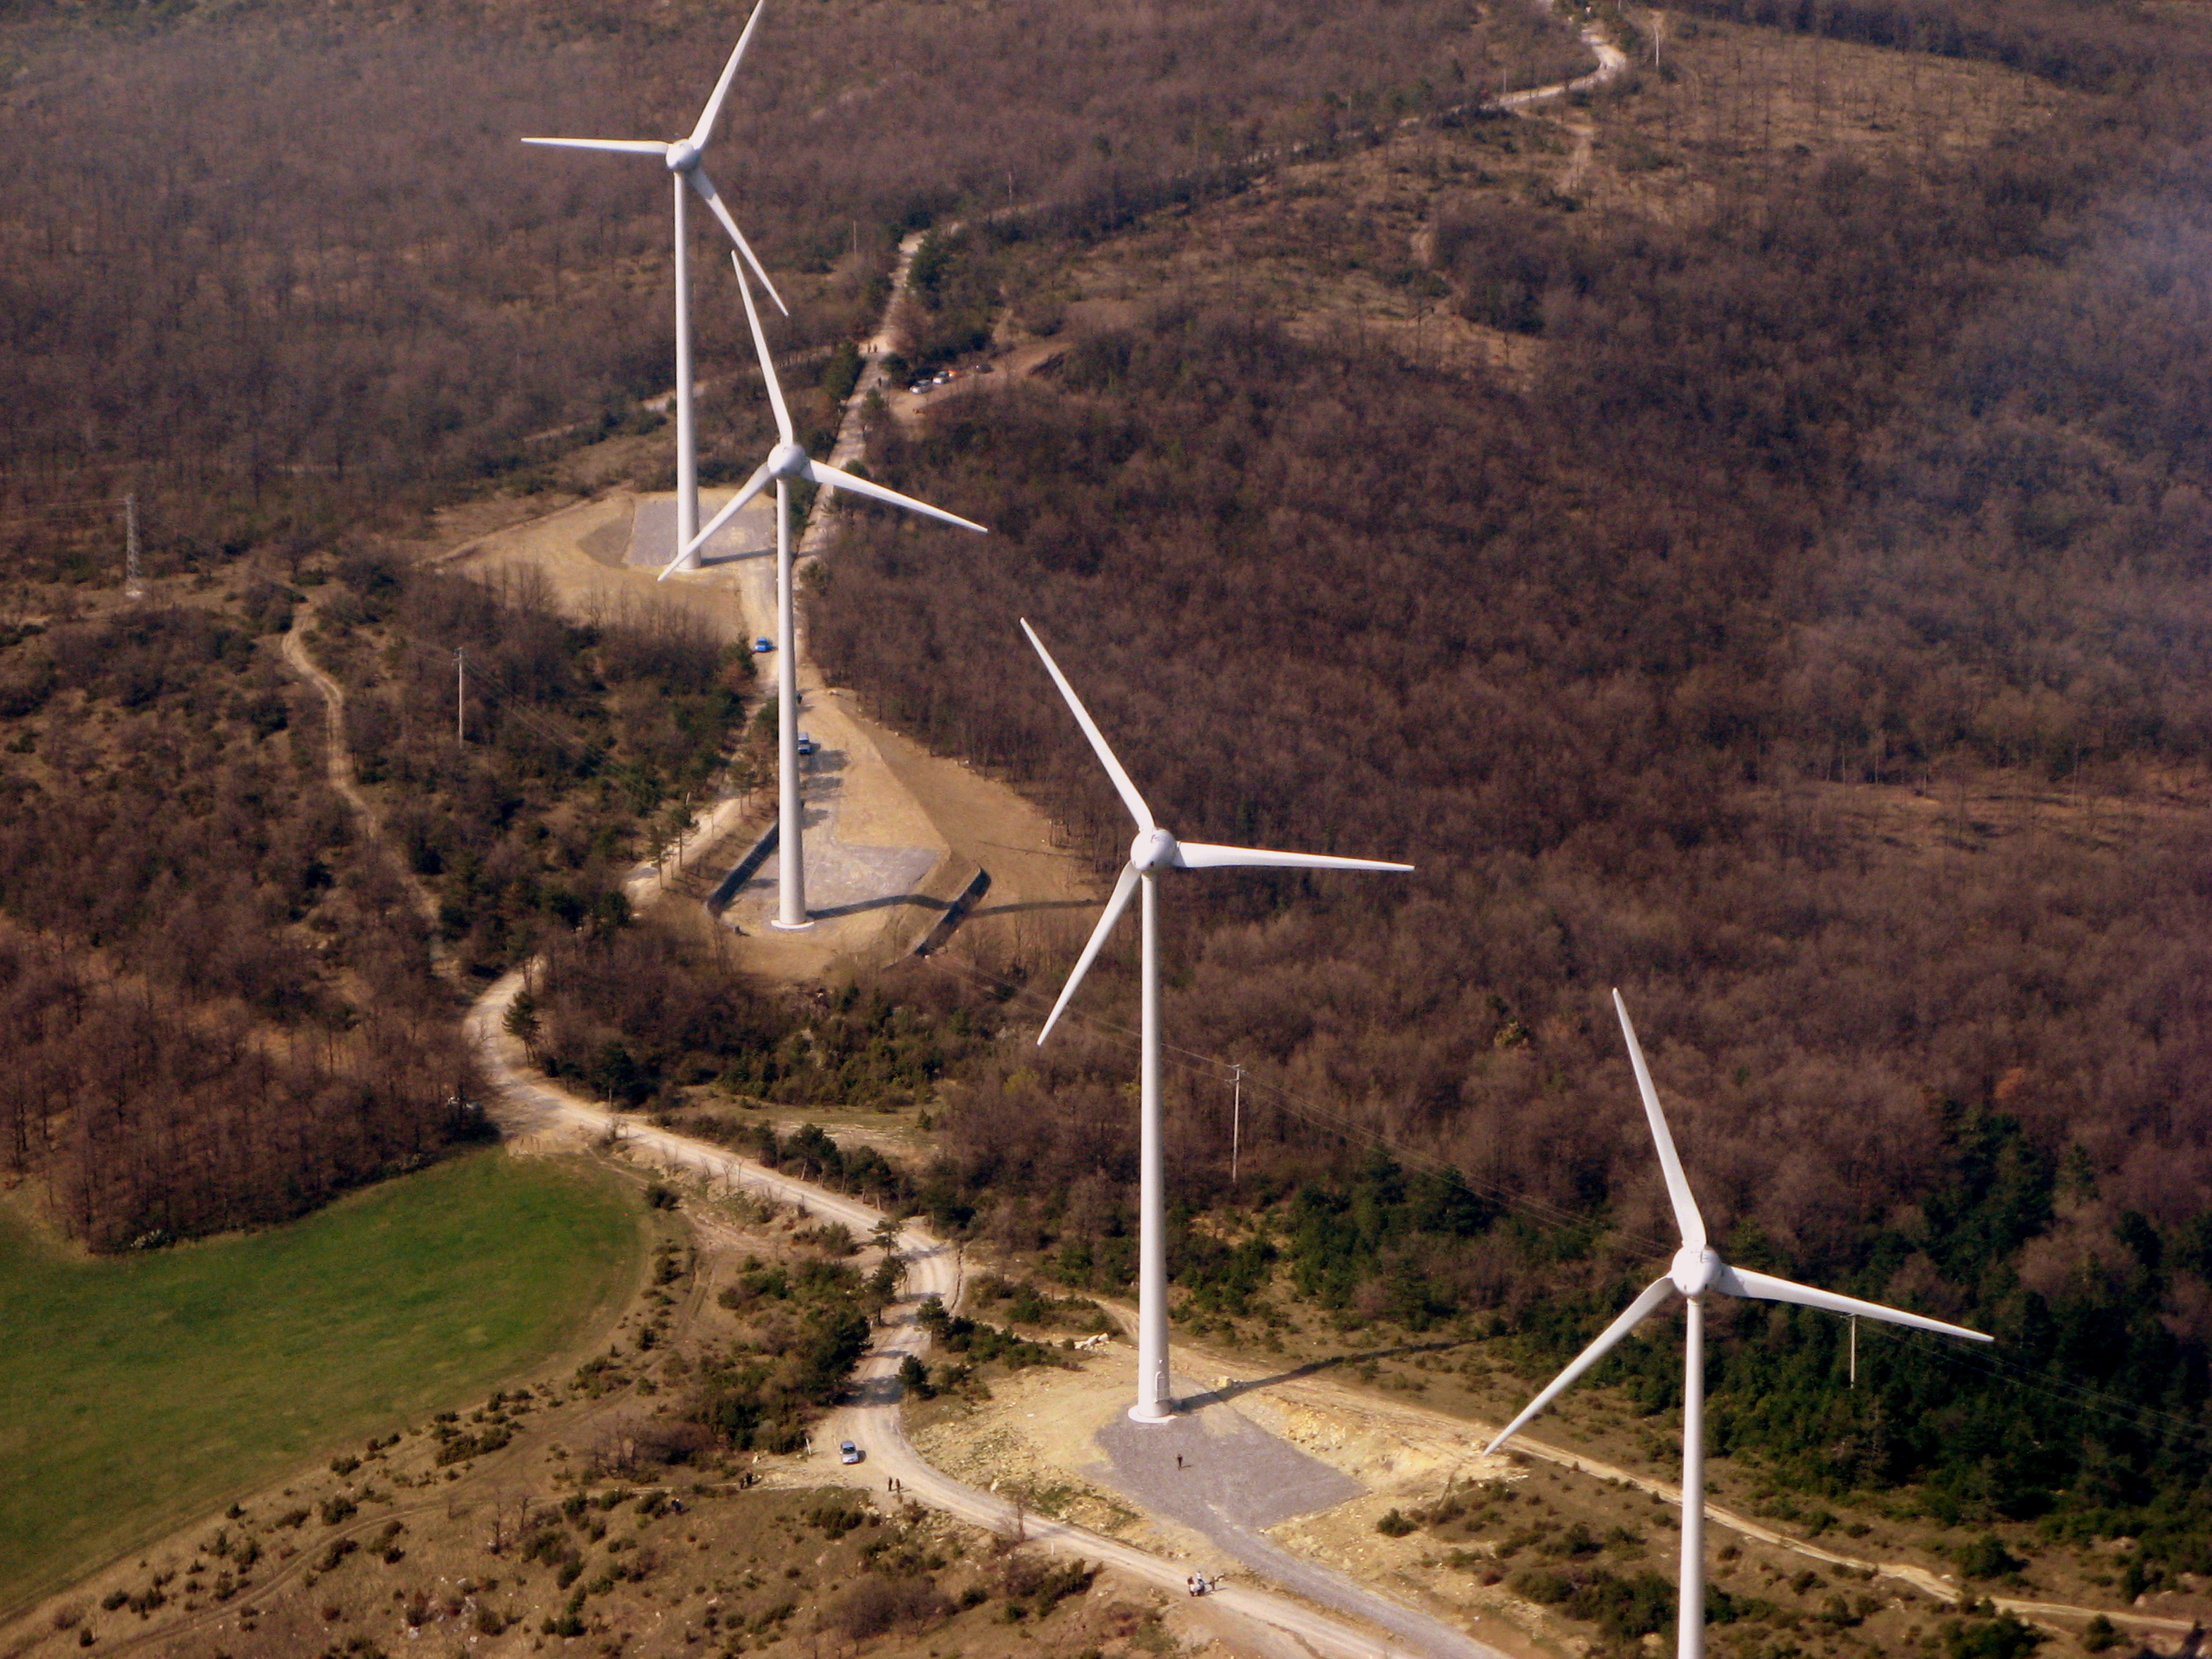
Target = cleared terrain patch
(137,1390)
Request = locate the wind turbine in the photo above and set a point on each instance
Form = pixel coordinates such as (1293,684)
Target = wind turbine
(1152,852)
(785,463)
(683,157)
(1697,1270)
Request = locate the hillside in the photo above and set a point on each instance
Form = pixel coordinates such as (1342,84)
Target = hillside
(1743,544)
(1741,533)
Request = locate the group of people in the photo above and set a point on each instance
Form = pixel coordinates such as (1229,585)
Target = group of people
(1199,1584)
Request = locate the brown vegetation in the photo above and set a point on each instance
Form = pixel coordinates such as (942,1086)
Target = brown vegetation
(1886,471)
(212,996)
(339,287)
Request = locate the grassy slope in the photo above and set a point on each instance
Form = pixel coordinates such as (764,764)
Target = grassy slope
(135,1392)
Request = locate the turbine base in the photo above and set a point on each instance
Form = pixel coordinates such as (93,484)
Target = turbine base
(1156,1411)
(782,927)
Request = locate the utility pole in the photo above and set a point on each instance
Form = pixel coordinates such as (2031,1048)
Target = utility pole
(460,695)
(132,587)
(1236,1120)
(1854,1351)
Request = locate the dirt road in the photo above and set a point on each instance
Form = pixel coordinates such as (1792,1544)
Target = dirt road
(337,767)
(527,1104)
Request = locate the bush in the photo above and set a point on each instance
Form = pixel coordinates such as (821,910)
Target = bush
(1621,1607)
(2002,1637)
(838,1517)
(1397,1524)
(874,1605)
(1987,1558)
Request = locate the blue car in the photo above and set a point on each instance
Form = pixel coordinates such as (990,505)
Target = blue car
(762,645)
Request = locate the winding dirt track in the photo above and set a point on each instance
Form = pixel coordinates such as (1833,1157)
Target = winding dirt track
(337,764)
(528,1103)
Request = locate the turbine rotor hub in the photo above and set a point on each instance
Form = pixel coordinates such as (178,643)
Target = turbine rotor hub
(683,155)
(1694,1270)
(787,460)
(1153,851)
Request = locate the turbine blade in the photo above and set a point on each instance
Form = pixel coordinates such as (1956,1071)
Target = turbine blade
(713,110)
(823,473)
(753,485)
(1765,1287)
(705,187)
(1124,885)
(620,146)
(1687,1219)
(767,362)
(1204,855)
(1126,790)
(1633,1316)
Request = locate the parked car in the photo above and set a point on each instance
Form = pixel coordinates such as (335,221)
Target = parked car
(762,645)
(848,1452)
(806,745)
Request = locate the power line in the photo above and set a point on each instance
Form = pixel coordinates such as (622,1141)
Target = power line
(1540,1211)
(2072,1394)
(1552,1217)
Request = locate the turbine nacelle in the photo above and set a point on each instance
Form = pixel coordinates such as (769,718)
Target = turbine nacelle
(1695,1271)
(1696,1268)
(1154,850)
(786,462)
(684,157)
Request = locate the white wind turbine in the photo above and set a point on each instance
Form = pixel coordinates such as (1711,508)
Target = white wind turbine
(1152,852)
(785,462)
(1696,1270)
(682,158)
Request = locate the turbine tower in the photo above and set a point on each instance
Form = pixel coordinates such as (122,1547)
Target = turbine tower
(683,158)
(1696,1271)
(1153,851)
(785,462)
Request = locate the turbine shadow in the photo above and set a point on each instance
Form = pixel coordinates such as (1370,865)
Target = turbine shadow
(709,561)
(1313,1368)
(919,901)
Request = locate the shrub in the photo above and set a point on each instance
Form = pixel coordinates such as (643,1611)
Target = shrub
(873,1606)
(2002,1637)
(1987,1558)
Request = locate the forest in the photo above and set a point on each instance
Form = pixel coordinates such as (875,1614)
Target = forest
(273,335)
(214,996)
(592,743)
(1880,488)
(1810,639)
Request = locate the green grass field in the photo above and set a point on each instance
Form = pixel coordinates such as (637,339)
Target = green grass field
(137,1392)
